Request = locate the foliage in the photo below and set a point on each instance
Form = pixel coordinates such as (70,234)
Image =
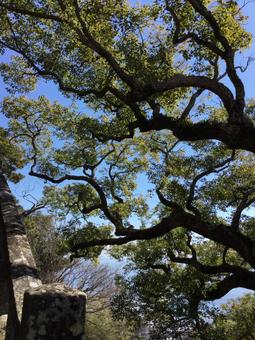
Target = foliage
(11,156)
(165,300)
(165,297)
(44,241)
(236,320)
(101,326)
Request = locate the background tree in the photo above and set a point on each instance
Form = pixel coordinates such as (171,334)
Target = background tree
(96,280)
(236,320)
(44,239)
(157,74)
(162,295)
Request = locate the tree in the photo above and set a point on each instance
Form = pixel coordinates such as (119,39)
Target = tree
(236,320)
(164,296)
(96,280)
(158,75)
(164,304)
(102,326)
(44,241)
(53,266)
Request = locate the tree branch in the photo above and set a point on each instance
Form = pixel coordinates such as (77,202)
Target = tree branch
(244,280)
(244,203)
(180,80)
(103,52)
(29,12)
(229,58)
(219,233)
(215,168)
(177,38)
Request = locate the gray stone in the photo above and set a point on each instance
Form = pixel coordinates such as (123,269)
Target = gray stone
(28,309)
(53,312)
(17,264)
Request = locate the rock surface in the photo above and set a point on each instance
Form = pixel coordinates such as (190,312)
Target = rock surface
(53,312)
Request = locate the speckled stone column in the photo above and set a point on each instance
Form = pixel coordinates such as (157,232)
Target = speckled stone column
(4,279)
(19,264)
(35,311)
(53,312)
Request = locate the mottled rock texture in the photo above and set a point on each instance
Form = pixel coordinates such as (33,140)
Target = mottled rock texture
(53,312)
(4,280)
(18,265)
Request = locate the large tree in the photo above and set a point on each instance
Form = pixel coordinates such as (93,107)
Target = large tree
(170,108)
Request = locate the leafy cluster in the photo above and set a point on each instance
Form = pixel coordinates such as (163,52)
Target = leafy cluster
(11,155)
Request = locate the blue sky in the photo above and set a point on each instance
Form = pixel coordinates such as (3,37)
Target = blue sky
(34,186)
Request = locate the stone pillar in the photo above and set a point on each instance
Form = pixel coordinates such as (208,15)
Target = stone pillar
(21,273)
(4,279)
(35,311)
(53,312)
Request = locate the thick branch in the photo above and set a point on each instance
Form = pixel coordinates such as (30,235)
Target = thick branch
(201,9)
(166,202)
(208,269)
(180,80)
(191,103)
(32,13)
(120,230)
(244,280)
(219,233)
(177,38)
(102,51)
(245,203)
(241,136)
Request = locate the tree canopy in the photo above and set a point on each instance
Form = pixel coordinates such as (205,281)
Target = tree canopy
(169,111)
